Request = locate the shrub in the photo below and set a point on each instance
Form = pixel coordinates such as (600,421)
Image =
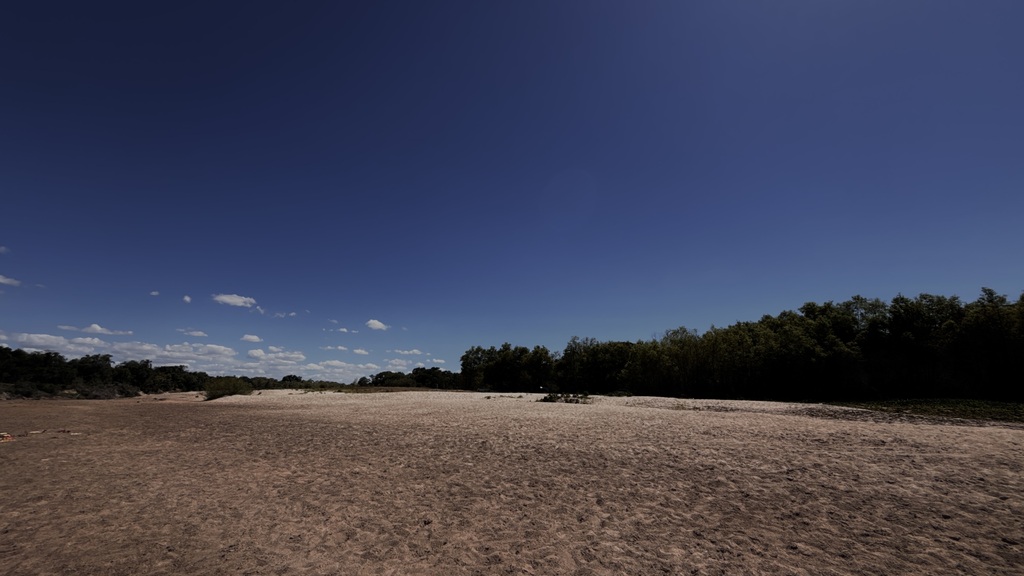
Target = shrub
(226,386)
(566,398)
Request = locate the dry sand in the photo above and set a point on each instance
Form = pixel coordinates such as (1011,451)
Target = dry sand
(458,483)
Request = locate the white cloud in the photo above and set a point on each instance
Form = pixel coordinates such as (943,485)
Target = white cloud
(49,343)
(196,334)
(342,348)
(210,358)
(41,340)
(139,350)
(234,300)
(413,352)
(186,299)
(9,281)
(342,329)
(437,361)
(332,321)
(398,364)
(215,349)
(154,293)
(289,357)
(376,325)
(199,349)
(95,329)
(360,351)
(4,250)
(277,358)
(335,370)
(252,338)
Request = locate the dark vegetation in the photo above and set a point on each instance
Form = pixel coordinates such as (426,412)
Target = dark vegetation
(566,398)
(947,408)
(48,374)
(226,386)
(860,350)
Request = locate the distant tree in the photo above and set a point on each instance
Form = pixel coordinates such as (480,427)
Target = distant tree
(389,379)
(539,369)
(178,378)
(473,363)
(137,374)
(991,347)
(221,386)
(434,377)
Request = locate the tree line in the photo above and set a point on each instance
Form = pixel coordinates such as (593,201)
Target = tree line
(924,347)
(43,374)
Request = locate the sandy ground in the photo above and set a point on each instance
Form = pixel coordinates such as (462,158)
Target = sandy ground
(462,483)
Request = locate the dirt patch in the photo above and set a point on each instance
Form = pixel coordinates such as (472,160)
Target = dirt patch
(453,483)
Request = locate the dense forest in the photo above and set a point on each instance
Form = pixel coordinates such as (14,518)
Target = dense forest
(924,347)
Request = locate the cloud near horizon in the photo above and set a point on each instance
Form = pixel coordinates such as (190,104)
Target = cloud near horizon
(399,364)
(252,338)
(277,356)
(273,361)
(95,329)
(207,357)
(234,300)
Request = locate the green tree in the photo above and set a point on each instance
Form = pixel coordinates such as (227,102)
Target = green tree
(221,386)
(137,374)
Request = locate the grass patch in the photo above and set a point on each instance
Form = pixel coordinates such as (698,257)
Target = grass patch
(946,408)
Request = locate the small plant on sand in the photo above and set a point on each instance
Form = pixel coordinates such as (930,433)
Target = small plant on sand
(566,398)
(226,386)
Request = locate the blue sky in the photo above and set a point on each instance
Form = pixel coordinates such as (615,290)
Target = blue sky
(332,189)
